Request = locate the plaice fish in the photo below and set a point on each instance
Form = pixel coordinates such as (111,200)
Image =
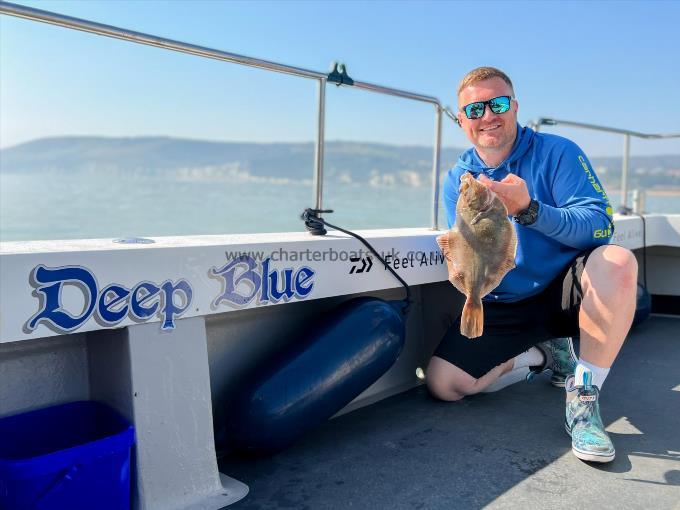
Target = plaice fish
(479,249)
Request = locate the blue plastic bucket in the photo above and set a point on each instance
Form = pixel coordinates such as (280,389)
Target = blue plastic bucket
(73,457)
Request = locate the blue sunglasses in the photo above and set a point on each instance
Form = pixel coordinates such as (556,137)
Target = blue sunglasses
(500,104)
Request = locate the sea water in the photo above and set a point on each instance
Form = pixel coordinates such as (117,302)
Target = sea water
(58,205)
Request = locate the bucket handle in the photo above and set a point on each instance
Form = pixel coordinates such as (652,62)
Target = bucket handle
(65,477)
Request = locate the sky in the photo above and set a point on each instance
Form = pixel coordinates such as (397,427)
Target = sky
(607,63)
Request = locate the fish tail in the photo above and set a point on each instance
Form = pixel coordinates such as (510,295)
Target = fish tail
(472,320)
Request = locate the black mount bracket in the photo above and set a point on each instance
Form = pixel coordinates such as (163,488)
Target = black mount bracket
(314,222)
(339,76)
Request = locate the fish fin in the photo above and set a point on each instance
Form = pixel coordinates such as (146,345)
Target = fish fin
(494,280)
(472,319)
(508,265)
(455,276)
(443,243)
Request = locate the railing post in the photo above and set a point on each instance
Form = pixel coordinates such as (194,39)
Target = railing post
(435,166)
(318,160)
(624,174)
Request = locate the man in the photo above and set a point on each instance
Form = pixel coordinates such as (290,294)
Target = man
(568,281)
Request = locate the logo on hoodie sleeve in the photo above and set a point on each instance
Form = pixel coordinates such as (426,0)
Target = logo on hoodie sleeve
(594,182)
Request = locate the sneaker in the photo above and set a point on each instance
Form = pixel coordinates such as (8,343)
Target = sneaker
(547,361)
(589,441)
(563,359)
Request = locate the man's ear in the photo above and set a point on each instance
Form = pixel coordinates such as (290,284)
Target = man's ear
(458,119)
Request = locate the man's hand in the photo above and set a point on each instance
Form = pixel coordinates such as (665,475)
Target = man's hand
(512,191)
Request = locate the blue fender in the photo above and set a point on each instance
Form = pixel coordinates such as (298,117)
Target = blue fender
(643,306)
(353,346)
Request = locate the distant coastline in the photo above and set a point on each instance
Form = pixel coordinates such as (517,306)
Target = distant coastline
(657,192)
(345,162)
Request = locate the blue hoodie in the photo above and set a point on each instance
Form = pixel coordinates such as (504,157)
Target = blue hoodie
(574,212)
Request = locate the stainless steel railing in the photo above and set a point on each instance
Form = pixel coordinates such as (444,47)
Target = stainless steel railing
(30,13)
(542,121)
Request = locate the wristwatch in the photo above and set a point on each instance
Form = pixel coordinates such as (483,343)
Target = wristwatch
(528,216)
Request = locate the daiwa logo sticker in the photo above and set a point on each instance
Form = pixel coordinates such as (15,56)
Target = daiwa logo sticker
(244,280)
(109,306)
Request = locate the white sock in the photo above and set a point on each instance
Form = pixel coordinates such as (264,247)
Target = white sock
(531,358)
(515,375)
(599,373)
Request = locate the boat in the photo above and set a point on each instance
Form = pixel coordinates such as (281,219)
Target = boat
(165,331)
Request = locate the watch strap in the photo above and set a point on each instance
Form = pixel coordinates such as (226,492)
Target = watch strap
(529,215)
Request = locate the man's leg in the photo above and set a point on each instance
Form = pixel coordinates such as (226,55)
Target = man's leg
(461,366)
(448,382)
(609,285)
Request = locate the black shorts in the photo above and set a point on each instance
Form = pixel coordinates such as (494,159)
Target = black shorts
(512,328)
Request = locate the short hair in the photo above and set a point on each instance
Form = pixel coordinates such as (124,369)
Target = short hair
(483,73)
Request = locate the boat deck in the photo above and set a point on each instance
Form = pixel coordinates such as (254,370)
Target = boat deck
(501,450)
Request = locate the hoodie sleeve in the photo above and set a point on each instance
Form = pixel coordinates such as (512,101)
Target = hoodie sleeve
(450,192)
(582,215)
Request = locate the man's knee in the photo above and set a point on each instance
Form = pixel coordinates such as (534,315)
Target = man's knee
(448,382)
(442,390)
(615,265)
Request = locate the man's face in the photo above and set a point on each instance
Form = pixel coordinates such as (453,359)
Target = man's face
(492,132)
